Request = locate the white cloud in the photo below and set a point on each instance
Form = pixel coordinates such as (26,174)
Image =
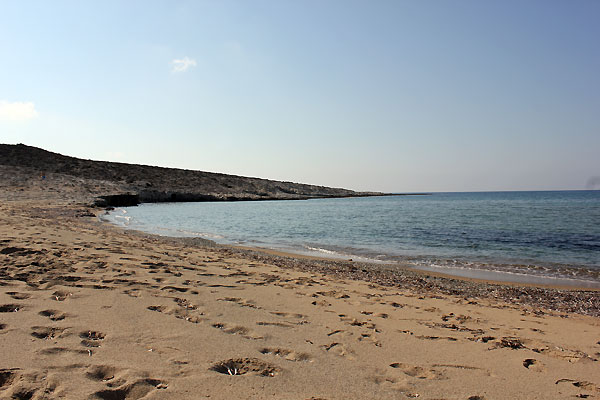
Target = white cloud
(183,64)
(17,111)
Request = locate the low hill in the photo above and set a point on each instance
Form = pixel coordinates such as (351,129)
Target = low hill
(113,183)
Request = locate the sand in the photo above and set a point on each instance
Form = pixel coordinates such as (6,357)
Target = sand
(91,311)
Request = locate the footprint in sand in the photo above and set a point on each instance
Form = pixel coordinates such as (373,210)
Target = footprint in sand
(355,322)
(10,308)
(390,380)
(133,292)
(63,350)
(102,372)
(240,302)
(54,315)
(369,338)
(184,303)
(91,338)
(459,318)
(135,390)
(189,315)
(19,251)
(563,354)
(580,384)
(173,289)
(514,343)
(416,371)
(105,374)
(245,366)
(47,332)
(25,391)
(339,349)
(7,377)
(483,339)
(289,355)
(533,365)
(61,295)
(236,330)
(18,296)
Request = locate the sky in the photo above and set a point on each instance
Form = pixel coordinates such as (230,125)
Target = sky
(394,96)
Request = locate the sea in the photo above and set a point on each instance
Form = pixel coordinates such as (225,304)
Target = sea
(537,237)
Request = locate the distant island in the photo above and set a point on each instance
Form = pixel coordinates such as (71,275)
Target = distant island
(119,184)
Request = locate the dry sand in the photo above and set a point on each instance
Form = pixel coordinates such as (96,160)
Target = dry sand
(90,311)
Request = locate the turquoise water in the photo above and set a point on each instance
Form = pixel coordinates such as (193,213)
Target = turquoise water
(538,237)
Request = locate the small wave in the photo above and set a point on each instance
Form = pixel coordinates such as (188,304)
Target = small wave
(200,234)
(340,255)
(320,250)
(120,220)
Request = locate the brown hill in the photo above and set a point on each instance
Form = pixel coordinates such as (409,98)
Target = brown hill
(112,183)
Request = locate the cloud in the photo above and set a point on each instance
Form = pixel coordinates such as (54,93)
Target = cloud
(17,111)
(183,64)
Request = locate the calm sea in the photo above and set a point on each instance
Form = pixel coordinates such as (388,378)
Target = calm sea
(538,237)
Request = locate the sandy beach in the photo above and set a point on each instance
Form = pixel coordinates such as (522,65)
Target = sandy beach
(299,200)
(92,311)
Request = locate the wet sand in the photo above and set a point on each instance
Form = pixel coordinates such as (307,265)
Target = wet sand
(88,310)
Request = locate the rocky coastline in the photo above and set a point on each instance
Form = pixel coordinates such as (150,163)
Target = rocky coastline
(121,184)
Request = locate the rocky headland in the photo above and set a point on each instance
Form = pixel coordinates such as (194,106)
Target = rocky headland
(120,184)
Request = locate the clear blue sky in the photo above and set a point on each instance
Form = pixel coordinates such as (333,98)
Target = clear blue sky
(370,95)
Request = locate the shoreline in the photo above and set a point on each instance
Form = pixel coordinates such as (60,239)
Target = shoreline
(541,264)
(562,283)
(416,270)
(581,300)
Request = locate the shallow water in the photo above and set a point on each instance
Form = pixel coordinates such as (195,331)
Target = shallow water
(537,237)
